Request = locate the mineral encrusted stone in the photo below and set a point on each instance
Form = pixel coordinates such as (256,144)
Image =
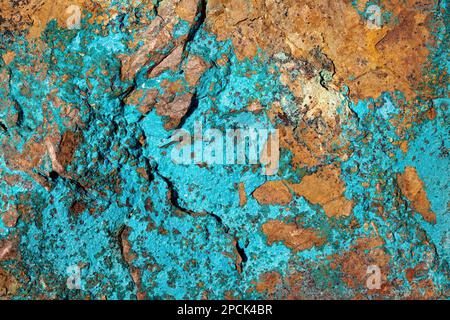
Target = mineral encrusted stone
(92,205)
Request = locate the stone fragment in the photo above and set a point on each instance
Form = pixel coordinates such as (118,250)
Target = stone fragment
(368,60)
(273,192)
(413,189)
(8,57)
(194,69)
(326,188)
(175,109)
(293,236)
(10,217)
(242,194)
(8,284)
(187,10)
(143,99)
(8,249)
(156,37)
(67,147)
(268,282)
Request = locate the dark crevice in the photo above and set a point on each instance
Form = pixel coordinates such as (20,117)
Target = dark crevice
(119,236)
(148,170)
(156,8)
(20,115)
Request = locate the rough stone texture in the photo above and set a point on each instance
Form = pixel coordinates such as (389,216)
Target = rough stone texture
(413,189)
(291,235)
(87,177)
(273,192)
(326,188)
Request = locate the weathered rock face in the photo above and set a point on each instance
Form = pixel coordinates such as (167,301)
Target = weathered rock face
(311,148)
(369,61)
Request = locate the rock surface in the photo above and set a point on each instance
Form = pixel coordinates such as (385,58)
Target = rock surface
(92,205)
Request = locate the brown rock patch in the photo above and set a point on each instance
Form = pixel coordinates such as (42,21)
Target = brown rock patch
(67,147)
(291,235)
(326,188)
(413,189)
(369,61)
(273,192)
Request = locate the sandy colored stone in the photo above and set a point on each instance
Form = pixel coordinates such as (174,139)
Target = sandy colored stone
(187,9)
(10,217)
(34,15)
(156,37)
(9,249)
(293,237)
(369,61)
(273,192)
(353,264)
(413,189)
(268,282)
(8,57)
(315,136)
(326,188)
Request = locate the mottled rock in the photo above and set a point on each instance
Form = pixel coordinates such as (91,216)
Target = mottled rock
(326,188)
(273,192)
(412,188)
(293,236)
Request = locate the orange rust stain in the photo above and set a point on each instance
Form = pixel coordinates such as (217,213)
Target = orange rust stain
(242,194)
(291,235)
(273,192)
(326,188)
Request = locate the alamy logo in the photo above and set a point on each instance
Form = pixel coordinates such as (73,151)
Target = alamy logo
(227,147)
(373,17)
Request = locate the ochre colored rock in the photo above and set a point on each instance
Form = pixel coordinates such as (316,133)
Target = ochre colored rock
(171,62)
(143,99)
(242,194)
(194,69)
(67,147)
(10,217)
(413,189)
(175,109)
(8,284)
(369,61)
